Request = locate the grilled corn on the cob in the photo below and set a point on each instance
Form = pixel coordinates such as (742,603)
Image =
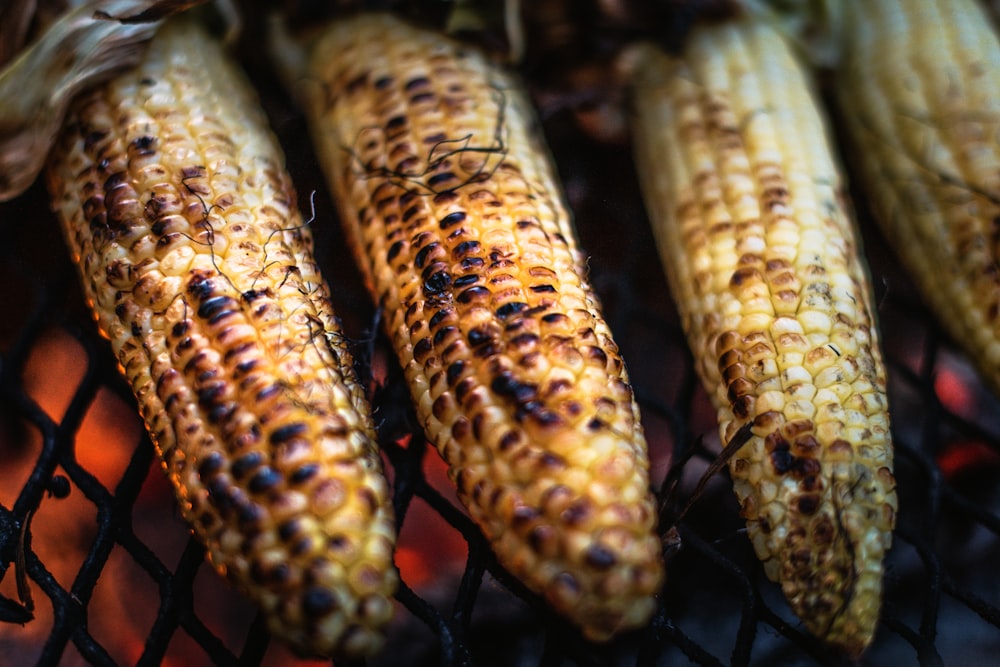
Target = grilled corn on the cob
(763,261)
(450,200)
(175,201)
(919,90)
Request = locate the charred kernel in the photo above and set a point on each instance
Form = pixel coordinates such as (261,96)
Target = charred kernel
(542,288)
(466,280)
(479,336)
(463,388)
(782,460)
(208,396)
(600,557)
(264,479)
(438,179)
(211,307)
(509,439)
(438,317)
(250,514)
(437,283)
(318,602)
(466,248)
(455,371)
(421,257)
(512,308)
(452,219)
(470,263)
(554,318)
(304,473)
(808,504)
(245,464)
(287,432)
(422,349)
(269,391)
(395,122)
(416,82)
(473,294)
(410,212)
(443,334)
(506,385)
(394,250)
(288,529)
(211,465)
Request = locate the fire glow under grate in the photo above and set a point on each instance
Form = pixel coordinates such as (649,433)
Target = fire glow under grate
(89,533)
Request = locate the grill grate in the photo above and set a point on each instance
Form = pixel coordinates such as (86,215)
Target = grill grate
(942,598)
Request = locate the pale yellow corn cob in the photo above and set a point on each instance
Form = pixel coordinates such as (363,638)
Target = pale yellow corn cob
(450,200)
(763,261)
(177,206)
(919,90)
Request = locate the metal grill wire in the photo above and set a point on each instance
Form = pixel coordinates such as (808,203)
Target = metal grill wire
(942,598)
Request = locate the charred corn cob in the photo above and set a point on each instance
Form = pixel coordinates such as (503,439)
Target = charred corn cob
(175,201)
(451,203)
(763,261)
(919,90)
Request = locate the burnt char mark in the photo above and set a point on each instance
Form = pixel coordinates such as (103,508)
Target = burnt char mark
(508,386)
(421,257)
(437,283)
(210,465)
(509,309)
(452,219)
(455,371)
(287,432)
(318,602)
(466,280)
(304,473)
(246,464)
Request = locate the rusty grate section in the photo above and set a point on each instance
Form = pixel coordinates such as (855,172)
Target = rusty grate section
(88,529)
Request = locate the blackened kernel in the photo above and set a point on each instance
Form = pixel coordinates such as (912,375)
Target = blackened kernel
(394,122)
(287,432)
(421,257)
(422,349)
(466,280)
(596,424)
(443,334)
(407,197)
(416,82)
(318,602)
(465,248)
(808,504)
(269,391)
(438,179)
(553,318)
(304,473)
(211,307)
(250,514)
(264,479)
(478,336)
(221,413)
(599,557)
(546,417)
(437,283)
(288,529)
(470,263)
(455,371)
(512,308)
(438,317)
(471,294)
(782,460)
(421,97)
(209,396)
(509,439)
(542,288)
(136,329)
(210,465)
(410,212)
(507,385)
(451,219)
(463,388)
(242,466)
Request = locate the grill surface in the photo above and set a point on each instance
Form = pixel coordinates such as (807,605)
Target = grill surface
(115,579)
